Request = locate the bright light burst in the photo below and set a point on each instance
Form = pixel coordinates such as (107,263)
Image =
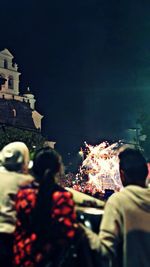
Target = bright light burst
(101,167)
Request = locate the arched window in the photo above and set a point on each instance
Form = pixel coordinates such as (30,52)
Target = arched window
(14,112)
(2,80)
(10,82)
(5,64)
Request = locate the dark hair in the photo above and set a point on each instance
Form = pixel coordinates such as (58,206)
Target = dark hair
(134,165)
(46,164)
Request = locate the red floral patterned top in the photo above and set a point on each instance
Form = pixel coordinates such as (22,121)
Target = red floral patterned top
(32,249)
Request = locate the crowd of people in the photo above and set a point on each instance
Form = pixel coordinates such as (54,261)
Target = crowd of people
(38,221)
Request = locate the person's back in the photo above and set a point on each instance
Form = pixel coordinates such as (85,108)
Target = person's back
(125,228)
(46,222)
(10,182)
(124,236)
(14,159)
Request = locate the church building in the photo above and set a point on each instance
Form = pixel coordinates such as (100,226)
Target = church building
(15,109)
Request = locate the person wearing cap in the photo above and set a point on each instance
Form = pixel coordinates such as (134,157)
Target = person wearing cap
(14,161)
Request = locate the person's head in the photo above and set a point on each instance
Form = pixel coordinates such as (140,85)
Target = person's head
(133,167)
(47,162)
(15,157)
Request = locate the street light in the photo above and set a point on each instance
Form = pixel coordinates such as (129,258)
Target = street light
(136,130)
(138,137)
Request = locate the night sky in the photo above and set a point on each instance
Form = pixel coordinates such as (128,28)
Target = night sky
(87,62)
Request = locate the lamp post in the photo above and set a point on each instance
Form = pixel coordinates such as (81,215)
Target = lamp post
(137,136)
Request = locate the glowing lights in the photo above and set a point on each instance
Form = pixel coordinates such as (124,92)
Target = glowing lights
(100,168)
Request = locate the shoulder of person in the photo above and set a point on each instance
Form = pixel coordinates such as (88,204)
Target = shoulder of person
(24,179)
(115,198)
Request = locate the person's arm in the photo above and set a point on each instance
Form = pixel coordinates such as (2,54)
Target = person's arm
(23,237)
(24,179)
(25,202)
(110,229)
(106,242)
(63,213)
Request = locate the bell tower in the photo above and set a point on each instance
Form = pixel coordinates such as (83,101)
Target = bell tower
(21,109)
(9,73)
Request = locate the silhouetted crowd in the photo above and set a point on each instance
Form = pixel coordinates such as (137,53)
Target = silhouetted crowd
(39,217)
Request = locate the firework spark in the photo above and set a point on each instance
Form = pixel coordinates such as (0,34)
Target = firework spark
(101,167)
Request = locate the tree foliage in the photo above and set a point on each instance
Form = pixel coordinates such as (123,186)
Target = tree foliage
(32,139)
(144,121)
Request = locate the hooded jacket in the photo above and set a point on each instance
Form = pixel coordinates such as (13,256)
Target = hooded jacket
(124,236)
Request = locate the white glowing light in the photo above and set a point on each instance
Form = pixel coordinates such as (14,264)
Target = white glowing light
(102,167)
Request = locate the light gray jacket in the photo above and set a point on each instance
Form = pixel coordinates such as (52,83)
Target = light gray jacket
(124,235)
(10,183)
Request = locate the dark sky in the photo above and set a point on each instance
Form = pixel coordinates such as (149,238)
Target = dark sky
(87,62)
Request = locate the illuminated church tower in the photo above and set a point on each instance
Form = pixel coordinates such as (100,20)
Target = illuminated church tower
(15,109)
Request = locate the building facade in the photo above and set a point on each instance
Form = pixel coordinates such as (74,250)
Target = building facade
(15,109)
